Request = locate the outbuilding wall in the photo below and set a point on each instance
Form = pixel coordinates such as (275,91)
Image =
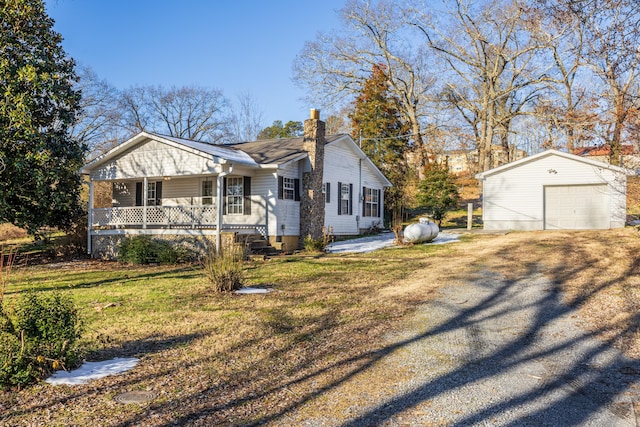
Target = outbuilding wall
(514,197)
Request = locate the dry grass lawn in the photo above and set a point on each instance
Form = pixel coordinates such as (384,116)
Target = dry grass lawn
(11,232)
(239,360)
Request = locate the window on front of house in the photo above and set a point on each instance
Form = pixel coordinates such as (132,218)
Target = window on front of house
(235,195)
(288,188)
(207,192)
(345,199)
(326,190)
(151,193)
(371,202)
(154,193)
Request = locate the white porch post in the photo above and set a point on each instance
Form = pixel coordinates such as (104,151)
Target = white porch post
(219,212)
(227,169)
(145,194)
(266,216)
(89,216)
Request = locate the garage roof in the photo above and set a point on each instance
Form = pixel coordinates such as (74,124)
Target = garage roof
(483,175)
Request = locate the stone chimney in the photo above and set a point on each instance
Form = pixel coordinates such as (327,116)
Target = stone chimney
(311,198)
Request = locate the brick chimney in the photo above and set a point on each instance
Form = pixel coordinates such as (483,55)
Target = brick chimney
(312,199)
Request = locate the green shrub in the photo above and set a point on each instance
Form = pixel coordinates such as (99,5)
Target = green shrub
(225,270)
(14,367)
(144,250)
(313,245)
(438,192)
(5,323)
(42,338)
(172,254)
(319,245)
(136,250)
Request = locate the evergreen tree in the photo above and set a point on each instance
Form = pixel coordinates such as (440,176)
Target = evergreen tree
(377,123)
(437,191)
(39,162)
(290,129)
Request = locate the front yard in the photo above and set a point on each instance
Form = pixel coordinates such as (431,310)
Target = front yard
(244,359)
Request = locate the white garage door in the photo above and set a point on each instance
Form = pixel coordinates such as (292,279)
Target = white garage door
(576,207)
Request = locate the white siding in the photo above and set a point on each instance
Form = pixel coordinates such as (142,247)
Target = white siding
(514,197)
(287,212)
(264,186)
(260,190)
(343,164)
(181,191)
(155,159)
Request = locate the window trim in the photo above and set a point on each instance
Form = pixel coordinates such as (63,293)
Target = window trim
(288,188)
(151,193)
(345,199)
(371,202)
(234,203)
(206,199)
(296,188)
(326,190)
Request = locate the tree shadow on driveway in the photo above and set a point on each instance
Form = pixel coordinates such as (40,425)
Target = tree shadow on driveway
(549,373)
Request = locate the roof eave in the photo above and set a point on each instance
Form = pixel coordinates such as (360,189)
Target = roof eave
(363,156)
(100,160)
(595,163)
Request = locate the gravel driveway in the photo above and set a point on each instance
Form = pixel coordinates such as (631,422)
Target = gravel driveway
(494,352)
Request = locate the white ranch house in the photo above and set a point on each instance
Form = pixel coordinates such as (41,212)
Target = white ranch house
(554,190)
(282,189)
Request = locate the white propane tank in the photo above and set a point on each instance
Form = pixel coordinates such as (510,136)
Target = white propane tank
(423,232)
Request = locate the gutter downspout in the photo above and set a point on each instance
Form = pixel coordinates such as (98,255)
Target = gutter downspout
(220,207)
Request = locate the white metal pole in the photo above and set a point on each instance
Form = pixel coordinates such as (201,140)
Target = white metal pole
(219,212)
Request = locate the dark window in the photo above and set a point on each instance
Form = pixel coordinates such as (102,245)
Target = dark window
(207,192)
(371,206)
(345,199)
(326,190)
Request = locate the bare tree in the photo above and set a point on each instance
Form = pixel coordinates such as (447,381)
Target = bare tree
(338,123)
(567,107)
(612,38)
(135,113)
(246,120)
(97,123)
(334,66)
(494,63)
(189,112)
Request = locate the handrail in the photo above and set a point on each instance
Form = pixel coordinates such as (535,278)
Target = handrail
(181,215)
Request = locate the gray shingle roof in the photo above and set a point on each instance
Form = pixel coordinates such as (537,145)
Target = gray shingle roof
(276,151)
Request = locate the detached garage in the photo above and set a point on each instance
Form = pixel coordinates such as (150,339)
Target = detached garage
(554,190)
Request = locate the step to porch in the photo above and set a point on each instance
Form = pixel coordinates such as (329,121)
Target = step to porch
(258,245)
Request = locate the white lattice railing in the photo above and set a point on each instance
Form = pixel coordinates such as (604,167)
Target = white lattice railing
(168,216)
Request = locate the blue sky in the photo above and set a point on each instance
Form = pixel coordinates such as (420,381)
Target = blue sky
(232,45)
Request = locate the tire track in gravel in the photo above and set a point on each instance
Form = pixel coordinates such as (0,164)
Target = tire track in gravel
(493,351)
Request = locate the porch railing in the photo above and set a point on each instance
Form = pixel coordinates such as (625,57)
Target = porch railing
(156,216)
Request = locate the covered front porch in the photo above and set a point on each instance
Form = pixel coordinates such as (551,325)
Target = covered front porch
(203,205)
